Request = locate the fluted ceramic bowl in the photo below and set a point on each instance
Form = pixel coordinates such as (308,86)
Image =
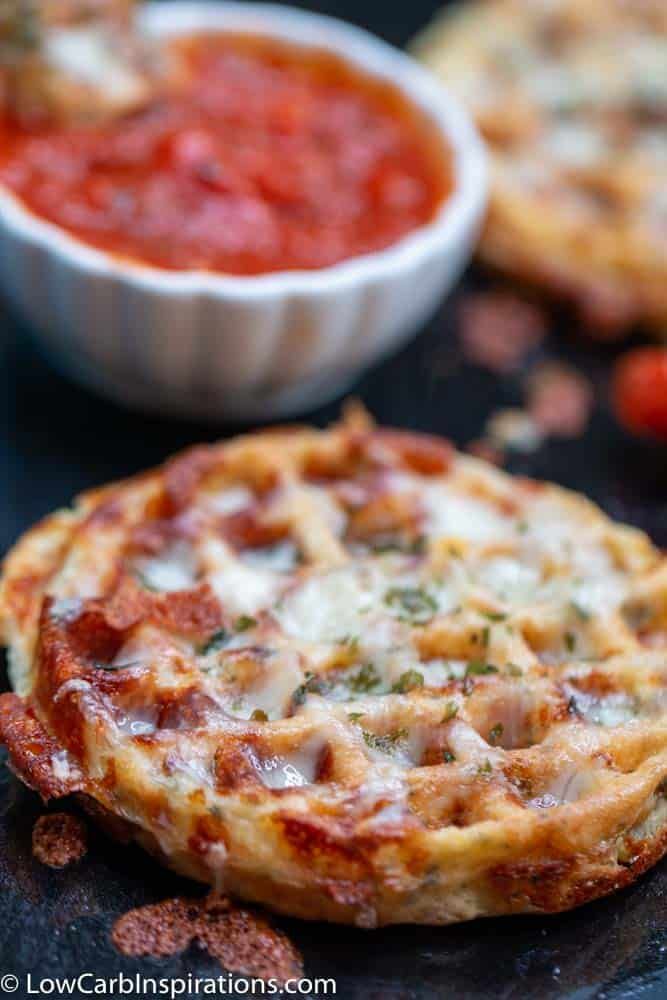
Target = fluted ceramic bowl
(210,345)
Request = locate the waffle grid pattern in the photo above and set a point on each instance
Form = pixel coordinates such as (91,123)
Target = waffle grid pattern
(354,675)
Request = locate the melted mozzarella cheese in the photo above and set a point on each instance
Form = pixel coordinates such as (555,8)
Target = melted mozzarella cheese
(228,501)
(240,588)
(175,569)
(361,600)
(88,55)
(469,518)
(293,770)
(508,579)
(280,558)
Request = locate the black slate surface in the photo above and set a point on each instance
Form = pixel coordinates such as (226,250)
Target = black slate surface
(57,439)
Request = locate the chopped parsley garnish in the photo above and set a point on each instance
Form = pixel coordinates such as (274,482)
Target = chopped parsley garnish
(408,681)
(350,642)
(496,732)
(476,668)
(485,768)
(355,716)
(486,635)
(396,543)
(514,670)
(494,616)
(214,642)
(364,680)
(244,622)
(570,642)
(582,613)
(451,711)
(386,743)
(415,604)
(259,715)
(418,545)
(311,685)
(448,757)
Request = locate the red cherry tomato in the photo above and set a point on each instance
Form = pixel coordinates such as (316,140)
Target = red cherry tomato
(640,390)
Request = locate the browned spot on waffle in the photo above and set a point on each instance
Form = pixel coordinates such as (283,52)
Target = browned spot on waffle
(58,839)
(33,751)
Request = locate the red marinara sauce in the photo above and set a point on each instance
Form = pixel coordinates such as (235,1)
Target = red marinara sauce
(273,157)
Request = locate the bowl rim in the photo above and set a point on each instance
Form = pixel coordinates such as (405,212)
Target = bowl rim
(459,212)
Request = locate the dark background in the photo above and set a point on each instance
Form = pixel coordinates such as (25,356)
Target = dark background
(57,439)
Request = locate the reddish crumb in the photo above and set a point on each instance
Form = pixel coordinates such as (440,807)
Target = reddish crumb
(241,941)
(560,400)
(654,640)
(58,839)
(606,311)
(639,390)
(486,450)
(497,330)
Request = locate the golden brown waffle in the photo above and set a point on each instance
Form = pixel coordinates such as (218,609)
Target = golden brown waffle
(351,674)
(571,97)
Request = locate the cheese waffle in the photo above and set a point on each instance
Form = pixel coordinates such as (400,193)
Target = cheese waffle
(572,100)
(351,674)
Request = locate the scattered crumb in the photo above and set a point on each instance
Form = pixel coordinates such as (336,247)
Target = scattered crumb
(58,839)
(497,329)
(560,400)
(514,429)
(486,450)
(242,941)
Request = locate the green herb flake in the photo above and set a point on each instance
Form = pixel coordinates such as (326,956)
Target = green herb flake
(485,768)
(355,716)
(311,685)
(364,680)
(418,545)
(477,668)
(496,732)
(514,670)
(448,757)
(408,681)
(494,616)
(451,711)
(570,642)
(486,636)
(214,642)
(415,604)
(387,743)
(244,622)
(582,613)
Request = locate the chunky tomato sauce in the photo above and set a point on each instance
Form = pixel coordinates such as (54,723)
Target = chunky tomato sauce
(272,158)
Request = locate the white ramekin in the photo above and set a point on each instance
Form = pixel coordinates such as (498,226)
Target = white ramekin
(207,345)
